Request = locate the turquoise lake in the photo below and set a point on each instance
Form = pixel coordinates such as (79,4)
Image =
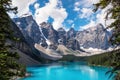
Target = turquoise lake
(68,71)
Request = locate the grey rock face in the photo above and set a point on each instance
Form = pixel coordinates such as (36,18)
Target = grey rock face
(62,36)
(49,32)
(71,33)
(68,39)
(40,34)
(95,37)
(22,47)
(30,30)
(73,44)
(29,27)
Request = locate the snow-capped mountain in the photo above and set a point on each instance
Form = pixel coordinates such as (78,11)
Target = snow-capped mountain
(47,38)
(94,37)
(49,32)
(30,30)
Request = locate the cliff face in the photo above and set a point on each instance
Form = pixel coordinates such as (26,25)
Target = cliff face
(44,34)
(21,46)
(71,33)
(62,36)
(95,37)
(49,32)
(29,28)
(47,37)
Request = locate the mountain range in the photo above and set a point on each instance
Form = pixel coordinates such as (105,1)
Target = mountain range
(51,44)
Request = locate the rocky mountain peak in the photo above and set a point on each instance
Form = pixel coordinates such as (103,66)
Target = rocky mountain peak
(95,37)
(49,38)
(46,25)
(26,15)
(49,32)
(71,33)
(62,36)
(98,27)
(23,22)
(71,29)
(61,29)
(29,28)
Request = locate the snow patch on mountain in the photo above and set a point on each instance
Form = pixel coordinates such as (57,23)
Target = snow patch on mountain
(26,15)
(47,41)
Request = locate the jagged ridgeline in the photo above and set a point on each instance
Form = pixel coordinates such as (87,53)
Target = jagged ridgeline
(61,42)
(44,33)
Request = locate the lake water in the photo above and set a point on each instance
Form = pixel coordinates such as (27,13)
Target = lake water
(68,71)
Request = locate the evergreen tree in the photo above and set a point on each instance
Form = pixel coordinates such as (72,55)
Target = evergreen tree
(115,11)
(9,68)
(115,39)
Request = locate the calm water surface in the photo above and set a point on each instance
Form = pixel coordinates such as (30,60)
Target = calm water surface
(68,71)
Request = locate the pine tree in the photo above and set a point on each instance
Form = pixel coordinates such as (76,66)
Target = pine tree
(8,59)
(115,39)
(115,11)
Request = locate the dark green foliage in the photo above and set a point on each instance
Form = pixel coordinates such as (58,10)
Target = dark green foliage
(104,59)
(8,65)
(72,58)
(5,5)
(107,59)
(115,11)
(115,39)
(117,76)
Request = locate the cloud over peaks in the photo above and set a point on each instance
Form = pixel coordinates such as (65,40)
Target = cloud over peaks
(91,24)
(53,9)
(86,13)
(23,6)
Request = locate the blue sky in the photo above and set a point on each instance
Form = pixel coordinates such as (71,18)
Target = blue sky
(63,13)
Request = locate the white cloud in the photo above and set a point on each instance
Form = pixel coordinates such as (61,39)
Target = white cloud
(86,13)
(100,17)
(77,3)
(69,21)
(76,6)
(54,10)
(86,3)
(84,8)
(73,26)
(91,24)
(36,5)
(23,6)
